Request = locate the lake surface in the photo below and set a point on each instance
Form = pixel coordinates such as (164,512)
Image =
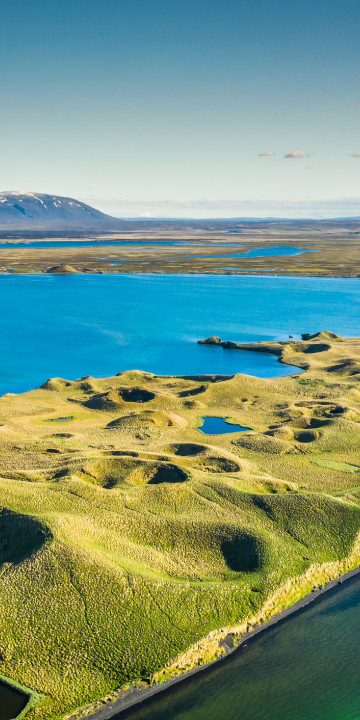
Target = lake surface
(307,668)
(219,426)
(12,702)
(281,251)
(99,243)
(77,325)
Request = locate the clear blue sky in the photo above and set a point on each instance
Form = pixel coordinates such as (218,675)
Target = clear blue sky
(164,107)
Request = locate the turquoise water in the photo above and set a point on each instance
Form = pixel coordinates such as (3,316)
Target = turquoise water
(77,325)
(280,251)
(306,668)
(8,245)
(218,426)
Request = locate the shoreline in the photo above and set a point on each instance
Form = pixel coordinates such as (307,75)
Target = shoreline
(136,696)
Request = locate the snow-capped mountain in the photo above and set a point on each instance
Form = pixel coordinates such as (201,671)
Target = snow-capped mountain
(36,211)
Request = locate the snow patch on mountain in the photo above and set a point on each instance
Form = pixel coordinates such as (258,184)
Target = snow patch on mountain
(39,211)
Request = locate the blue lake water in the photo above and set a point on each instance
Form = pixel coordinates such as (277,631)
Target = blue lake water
(304,669)
(280,251)
(77,325)
(218,426)
(40,244)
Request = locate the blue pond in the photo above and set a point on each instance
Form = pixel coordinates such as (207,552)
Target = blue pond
(77,325)
(62,419)
(218,426)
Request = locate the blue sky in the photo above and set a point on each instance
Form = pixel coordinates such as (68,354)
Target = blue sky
(165,108)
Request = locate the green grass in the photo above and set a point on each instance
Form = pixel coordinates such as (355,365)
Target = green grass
(137,538)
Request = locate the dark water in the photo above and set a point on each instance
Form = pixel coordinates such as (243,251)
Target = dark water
(77,325)
(12,702)
(307,668)
(219,426)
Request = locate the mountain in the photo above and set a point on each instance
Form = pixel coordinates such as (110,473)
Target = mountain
(36,211)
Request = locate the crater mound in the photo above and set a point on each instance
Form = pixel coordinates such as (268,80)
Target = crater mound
(111,400)
(316,348)
(305,436)
(158,418)
(266,444)
(349,366)
(20,536)
(241,552)
(107,472)
(192,391)
(136,395)
(213,463)
(157,473)
(187,449)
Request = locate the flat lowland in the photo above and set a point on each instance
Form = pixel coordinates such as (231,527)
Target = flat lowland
(331,249)
(131,543)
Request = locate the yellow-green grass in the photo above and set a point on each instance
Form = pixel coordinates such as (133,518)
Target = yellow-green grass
(127,535)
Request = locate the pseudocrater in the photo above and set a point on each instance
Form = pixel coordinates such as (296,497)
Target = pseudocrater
(20,536)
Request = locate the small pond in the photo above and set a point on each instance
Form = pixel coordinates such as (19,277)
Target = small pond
(62,419)
(12,702)
(218,426)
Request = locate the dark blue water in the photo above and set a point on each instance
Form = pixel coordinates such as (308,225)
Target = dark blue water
(307,668)
(219,426)
(77,325)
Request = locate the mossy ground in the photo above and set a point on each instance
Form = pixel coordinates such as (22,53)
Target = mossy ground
(128,536)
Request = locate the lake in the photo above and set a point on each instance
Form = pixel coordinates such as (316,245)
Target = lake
(77,325)
(306,668)
(280,251)
(41,244)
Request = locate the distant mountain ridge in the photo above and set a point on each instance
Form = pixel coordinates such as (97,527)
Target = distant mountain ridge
(38,211)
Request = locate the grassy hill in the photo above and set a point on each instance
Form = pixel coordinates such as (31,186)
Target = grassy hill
(127,535)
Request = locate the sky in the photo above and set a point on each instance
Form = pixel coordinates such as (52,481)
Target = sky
(193,108)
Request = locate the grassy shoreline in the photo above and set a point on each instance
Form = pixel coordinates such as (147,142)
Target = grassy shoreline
(166,546)
(212,652)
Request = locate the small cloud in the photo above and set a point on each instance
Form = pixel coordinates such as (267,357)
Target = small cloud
(268,153)
(297,154)
(355,154)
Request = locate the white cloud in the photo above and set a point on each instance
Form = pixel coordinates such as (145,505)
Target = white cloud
(268,153)
(355,154)
(297,154)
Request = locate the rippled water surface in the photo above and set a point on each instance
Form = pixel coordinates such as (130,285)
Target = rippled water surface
(307,668)
(77,325)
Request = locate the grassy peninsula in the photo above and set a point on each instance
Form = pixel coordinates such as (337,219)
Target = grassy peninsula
(131,543)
